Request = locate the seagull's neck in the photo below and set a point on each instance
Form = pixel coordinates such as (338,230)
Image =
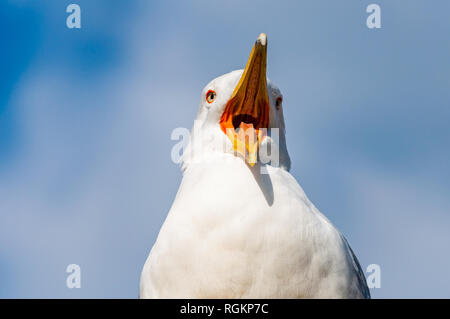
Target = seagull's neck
(206,145)
(210,145)
(229,182)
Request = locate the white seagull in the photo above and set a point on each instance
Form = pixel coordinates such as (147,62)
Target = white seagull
(241,226)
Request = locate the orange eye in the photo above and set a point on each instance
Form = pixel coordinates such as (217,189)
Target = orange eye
(278,103)
(210,96)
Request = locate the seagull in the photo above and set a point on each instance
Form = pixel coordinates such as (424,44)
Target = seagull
(240,225)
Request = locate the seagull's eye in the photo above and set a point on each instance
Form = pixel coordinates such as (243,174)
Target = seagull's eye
(278,103)
(210,96)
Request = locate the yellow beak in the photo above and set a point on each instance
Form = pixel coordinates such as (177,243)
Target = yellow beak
(246,115)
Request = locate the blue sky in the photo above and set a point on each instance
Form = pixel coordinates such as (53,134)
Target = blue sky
(86,117)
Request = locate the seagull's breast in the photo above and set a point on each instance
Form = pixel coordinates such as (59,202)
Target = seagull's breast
(233,232)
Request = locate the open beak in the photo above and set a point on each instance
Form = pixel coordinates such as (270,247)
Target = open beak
(246,115)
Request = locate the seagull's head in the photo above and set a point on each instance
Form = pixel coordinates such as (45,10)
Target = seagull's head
(241,113)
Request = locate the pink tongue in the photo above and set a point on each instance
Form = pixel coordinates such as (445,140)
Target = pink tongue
(247,133)
(244,127)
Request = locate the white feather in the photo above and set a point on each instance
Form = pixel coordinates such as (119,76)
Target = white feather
(233,232)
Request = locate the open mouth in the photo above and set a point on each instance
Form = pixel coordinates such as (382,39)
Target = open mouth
(246,115)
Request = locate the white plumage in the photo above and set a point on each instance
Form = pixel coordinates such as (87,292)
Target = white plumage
(233,232)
